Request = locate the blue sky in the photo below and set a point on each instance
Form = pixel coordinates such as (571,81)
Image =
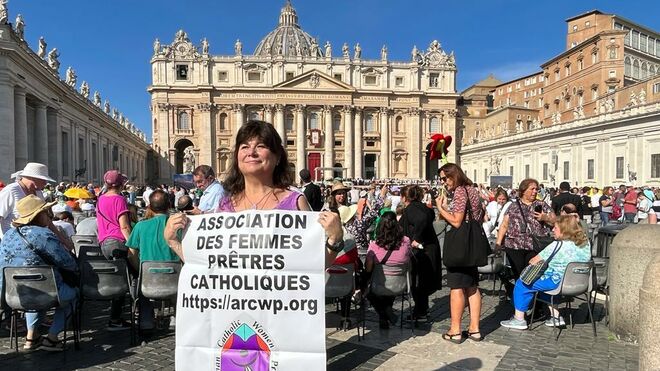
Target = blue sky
(109,43)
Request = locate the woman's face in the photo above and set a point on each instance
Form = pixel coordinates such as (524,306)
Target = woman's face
(340,197)
(448,182)
(254,158)
(501,199)
(556,231)
(530,192)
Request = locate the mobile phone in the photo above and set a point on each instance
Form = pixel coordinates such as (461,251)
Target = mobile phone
(538,208)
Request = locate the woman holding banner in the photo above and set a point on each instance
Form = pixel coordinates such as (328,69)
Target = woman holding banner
(259,179)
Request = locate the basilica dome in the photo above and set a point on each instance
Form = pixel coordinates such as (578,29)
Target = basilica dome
(288,39)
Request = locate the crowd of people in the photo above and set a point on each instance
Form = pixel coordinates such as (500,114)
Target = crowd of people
(367,223)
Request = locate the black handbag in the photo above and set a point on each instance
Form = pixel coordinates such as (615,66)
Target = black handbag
(467,245)
(533,272)
(539,242)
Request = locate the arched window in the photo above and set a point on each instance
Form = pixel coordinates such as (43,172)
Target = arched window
(369,124)
(652,71)
(288,122)
(336,122)
(224,162)
(313,121)
(635,71)
(627,67)
(222,123)
(645,70)
(183,122)
(434,125)
(398,124)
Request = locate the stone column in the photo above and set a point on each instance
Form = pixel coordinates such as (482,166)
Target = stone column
(41,135)
(358,142)
(20,127)
(301,141)
(268,113)
(205,135)
(329,143)
(279,122)
(384,143)
(54,145)
(348,141)
(414,128)
(449,126)
(7,146)
(238,115)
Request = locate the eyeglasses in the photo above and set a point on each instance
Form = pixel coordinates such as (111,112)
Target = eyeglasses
(443,179)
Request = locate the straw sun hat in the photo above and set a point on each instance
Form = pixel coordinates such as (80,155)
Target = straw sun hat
(29,207)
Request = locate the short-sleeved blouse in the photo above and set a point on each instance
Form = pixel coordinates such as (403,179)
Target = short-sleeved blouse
(289,202)
(458,202)
(517,237)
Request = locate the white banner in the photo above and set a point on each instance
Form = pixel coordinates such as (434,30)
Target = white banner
(251,293)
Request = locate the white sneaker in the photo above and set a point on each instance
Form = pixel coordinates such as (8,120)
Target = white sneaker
(555,322)
(518,324)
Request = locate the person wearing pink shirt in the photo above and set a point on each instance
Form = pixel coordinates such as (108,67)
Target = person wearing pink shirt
(114,228)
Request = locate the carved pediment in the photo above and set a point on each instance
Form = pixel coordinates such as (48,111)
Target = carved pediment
(181,48)
(254,67)
(373,71)
(314,80)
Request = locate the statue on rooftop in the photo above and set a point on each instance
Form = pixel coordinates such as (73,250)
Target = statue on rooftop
(52,60)
(97,99)
(70,77)
(345,51)
(42,48)
(328,49)
(84,89)
(383,53)
(106,107)
(19,27)
(358,51)
(238,47)
(4,13)
(156,46)
(205,46)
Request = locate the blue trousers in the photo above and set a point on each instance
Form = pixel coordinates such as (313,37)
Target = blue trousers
(524,294)
(68,297)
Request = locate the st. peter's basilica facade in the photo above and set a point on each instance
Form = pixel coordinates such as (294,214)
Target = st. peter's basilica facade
(336,112)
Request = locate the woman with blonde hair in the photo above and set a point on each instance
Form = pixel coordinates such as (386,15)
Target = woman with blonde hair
(572,245)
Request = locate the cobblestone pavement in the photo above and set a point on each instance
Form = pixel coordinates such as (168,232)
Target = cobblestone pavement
(394,349)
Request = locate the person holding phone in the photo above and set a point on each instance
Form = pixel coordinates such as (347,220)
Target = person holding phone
(525,217)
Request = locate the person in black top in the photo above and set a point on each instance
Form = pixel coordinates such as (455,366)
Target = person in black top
(417,224)
(312,191)
(565,197)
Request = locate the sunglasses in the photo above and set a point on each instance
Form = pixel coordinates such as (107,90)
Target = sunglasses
(443,179)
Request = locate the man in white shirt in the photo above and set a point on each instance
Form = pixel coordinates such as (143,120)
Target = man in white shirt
(145,196)
(29,181)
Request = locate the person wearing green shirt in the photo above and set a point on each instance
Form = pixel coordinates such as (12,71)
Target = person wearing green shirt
(147,243)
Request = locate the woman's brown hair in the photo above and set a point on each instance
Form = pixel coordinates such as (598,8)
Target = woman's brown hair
(571,230)
(266,133)
(525,184)
(412,192)
(455,173)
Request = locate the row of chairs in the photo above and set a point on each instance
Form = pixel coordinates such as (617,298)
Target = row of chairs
(31,289)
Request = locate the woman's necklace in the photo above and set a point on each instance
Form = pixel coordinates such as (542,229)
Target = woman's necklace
(257,205)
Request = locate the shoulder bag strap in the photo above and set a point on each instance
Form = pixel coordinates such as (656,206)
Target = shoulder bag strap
(387,256)
(555,251)
(522,213)
(43,257)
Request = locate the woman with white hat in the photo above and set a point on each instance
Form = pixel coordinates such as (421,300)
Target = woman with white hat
(32,242)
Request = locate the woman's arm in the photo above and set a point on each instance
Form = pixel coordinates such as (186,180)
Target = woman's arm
(303,204)
(455,218)
(501,232)
(175,223)
(125,225)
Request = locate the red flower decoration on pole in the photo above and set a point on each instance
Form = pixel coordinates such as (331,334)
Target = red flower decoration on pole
(440,147)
